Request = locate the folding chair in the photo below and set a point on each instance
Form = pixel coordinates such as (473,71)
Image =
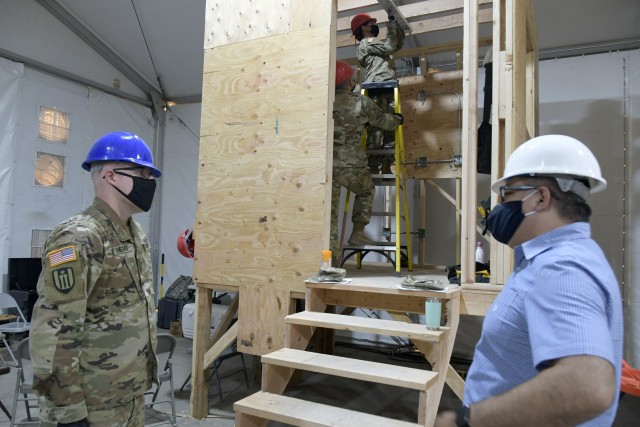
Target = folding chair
(4,369)
(24,385)
(20,325)
(166,347)
(230,352)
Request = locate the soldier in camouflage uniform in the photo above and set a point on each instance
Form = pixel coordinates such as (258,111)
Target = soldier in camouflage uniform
(375,58)
(351,113)
(93,332)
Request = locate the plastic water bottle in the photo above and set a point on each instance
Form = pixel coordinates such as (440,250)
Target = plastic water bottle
(479,253)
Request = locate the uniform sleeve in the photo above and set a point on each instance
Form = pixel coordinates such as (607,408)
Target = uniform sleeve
(71,265)
(377,117)
(395,34)
(384,47)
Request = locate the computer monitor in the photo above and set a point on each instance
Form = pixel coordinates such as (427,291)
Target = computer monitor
(24,273)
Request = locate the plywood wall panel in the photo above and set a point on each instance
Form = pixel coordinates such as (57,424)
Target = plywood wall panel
(262,180)
(432,125)
(228,22)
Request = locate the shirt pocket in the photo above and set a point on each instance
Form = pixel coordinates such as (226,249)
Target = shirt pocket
(119,286)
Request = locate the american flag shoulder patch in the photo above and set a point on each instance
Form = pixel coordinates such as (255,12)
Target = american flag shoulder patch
(62,255)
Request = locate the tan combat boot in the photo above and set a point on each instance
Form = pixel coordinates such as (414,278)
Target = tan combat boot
(358,236)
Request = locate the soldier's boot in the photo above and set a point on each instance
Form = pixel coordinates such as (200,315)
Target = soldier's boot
(386,166)
(358,236)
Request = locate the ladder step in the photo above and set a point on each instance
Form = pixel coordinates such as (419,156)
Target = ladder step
(381,373)
(299,412)
(412,331)
(379,246)
(387,84)
(383,176)
(380,151)
(381,213)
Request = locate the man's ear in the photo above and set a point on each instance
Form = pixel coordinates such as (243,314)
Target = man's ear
(107,175)
(544,201)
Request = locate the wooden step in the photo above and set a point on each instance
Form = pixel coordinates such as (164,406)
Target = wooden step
(381,373)
(412,331)
(299,412)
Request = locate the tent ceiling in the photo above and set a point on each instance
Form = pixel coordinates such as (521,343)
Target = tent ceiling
(174,33)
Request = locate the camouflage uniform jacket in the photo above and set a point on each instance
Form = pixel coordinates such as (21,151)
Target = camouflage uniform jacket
(375,57)
(93,332)
(351,113)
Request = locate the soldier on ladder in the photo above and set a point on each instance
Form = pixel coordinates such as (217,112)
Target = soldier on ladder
(375,58)
(351,113)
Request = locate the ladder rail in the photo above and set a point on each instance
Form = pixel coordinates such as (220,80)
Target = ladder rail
(401,211)
(401,177)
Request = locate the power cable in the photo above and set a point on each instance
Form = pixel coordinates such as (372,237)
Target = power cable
(182,122)
(155,70)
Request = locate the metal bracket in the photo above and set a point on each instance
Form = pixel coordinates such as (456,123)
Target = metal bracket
(390,7)
(423,162)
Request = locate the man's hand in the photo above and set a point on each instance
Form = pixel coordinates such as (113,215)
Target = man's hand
(400,117)
(445,419)
(390,16)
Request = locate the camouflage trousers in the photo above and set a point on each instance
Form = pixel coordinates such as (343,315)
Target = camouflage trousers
(358,181)
(130,414)
(377,138)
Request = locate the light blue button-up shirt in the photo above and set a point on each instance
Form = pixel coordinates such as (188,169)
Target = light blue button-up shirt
(561,300)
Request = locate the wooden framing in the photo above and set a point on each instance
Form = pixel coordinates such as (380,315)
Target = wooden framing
(265,153)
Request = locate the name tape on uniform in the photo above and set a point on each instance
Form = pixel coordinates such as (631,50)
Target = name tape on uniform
(62,255)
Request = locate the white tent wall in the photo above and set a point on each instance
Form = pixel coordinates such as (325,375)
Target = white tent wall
(10,77)
(632,236)
(588,97)
(27,29)
(179,184)
(36,207)
(92,114)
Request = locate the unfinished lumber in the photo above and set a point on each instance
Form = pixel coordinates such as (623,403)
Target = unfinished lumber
(381,373)
(362,324)
(289,410)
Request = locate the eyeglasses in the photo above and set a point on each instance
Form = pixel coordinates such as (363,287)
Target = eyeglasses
(505,189)
(142,171)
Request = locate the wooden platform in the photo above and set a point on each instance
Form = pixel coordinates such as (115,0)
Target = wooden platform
(377,292)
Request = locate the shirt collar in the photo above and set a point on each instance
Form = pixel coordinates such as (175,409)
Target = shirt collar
(539,244)
(121,228)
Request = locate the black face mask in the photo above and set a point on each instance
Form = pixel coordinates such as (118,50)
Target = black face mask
(504,219)
(375,30)
(142,192)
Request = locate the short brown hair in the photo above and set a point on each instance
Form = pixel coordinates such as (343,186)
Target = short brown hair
(570,206)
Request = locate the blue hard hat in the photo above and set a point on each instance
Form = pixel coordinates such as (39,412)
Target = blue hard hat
(121,147)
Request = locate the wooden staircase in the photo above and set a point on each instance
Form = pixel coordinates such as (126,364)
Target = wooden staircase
(278,367)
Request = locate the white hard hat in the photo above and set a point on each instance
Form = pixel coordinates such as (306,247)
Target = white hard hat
(558,156)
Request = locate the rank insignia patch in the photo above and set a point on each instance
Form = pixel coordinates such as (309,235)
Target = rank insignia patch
(60,256)
(63,279)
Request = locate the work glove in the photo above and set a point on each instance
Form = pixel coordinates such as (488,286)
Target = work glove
(331,274)
(391,16)
(400,117)
(81,423)
(417,282)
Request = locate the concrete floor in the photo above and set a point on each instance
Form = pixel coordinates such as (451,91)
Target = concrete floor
(384,400)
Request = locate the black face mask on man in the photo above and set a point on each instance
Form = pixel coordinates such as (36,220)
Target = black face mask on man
(375,30)
(142,192)
(504,219)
